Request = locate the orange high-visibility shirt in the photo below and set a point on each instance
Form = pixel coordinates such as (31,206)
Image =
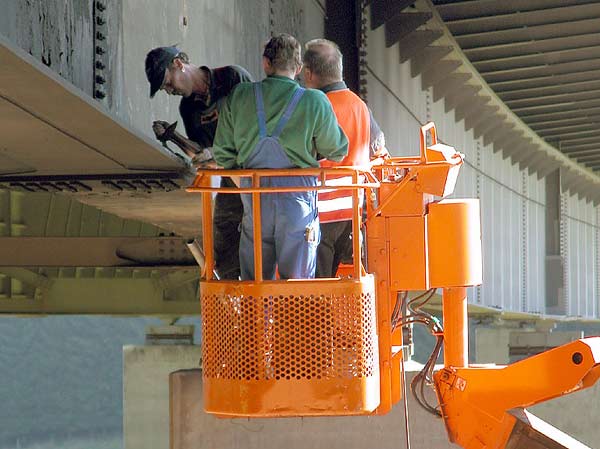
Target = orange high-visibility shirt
(353,117)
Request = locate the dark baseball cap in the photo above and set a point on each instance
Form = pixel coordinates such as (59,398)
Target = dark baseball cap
(157,62)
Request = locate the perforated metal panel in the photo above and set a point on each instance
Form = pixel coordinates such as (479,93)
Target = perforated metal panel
(296,348)
(303,336)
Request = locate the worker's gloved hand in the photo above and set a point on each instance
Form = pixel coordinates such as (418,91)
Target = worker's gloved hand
(385,153)
(212,164)
(159,127)
(204,159)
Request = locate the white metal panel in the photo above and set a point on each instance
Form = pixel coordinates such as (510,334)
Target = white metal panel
(400,128)
(535,267)
(581,256)
(502,214)
(395,98)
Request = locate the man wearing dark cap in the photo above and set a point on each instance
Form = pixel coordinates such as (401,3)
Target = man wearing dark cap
(203,91)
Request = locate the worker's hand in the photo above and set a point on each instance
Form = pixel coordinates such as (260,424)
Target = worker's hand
(159,127)
(383,153)
(211,164)
(204,160)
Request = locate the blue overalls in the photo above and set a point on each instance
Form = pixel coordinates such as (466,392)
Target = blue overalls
(290,220)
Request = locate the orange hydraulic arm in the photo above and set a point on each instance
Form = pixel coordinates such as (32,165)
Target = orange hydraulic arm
(482,405)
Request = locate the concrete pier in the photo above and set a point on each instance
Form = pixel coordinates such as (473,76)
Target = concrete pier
(193,428)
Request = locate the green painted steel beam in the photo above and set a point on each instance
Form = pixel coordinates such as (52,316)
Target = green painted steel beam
(173,296)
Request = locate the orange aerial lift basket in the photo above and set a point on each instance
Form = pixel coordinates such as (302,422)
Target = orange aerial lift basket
(287,347)
(321,346)
(316,347)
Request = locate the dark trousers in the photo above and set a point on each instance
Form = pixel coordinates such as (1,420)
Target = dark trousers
(335,247)
(227,217)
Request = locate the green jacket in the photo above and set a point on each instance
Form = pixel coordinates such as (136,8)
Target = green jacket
(311,129)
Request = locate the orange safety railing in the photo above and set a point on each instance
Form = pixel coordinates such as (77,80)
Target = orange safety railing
(202,184)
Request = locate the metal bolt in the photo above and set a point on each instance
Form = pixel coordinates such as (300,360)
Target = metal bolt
(100,6)
(99,94)
(100,36)
(577,358)
(100,50)
(100,79)
(100,21)
(99,65)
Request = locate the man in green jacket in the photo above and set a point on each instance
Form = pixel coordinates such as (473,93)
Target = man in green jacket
(277,124)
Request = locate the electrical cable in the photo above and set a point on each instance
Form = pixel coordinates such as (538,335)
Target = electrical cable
(425,376)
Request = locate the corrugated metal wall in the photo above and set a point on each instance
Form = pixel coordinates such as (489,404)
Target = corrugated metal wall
(580,251)
(512,201)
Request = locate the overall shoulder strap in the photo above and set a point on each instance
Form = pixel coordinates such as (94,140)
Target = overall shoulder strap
(288,111)
(260,110)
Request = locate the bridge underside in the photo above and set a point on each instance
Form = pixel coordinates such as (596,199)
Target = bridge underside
(86,199)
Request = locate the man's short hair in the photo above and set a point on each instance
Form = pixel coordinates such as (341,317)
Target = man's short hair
(324,59)
(283,52)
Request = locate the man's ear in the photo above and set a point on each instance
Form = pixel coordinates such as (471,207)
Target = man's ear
(307,74)
(298,70)
(267,67)
(178,63)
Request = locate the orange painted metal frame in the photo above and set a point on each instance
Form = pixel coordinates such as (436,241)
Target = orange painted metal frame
(475,401)
(397,242)
(351,388)
(406,186)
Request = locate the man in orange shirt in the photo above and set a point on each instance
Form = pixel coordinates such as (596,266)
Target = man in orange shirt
(323,70)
